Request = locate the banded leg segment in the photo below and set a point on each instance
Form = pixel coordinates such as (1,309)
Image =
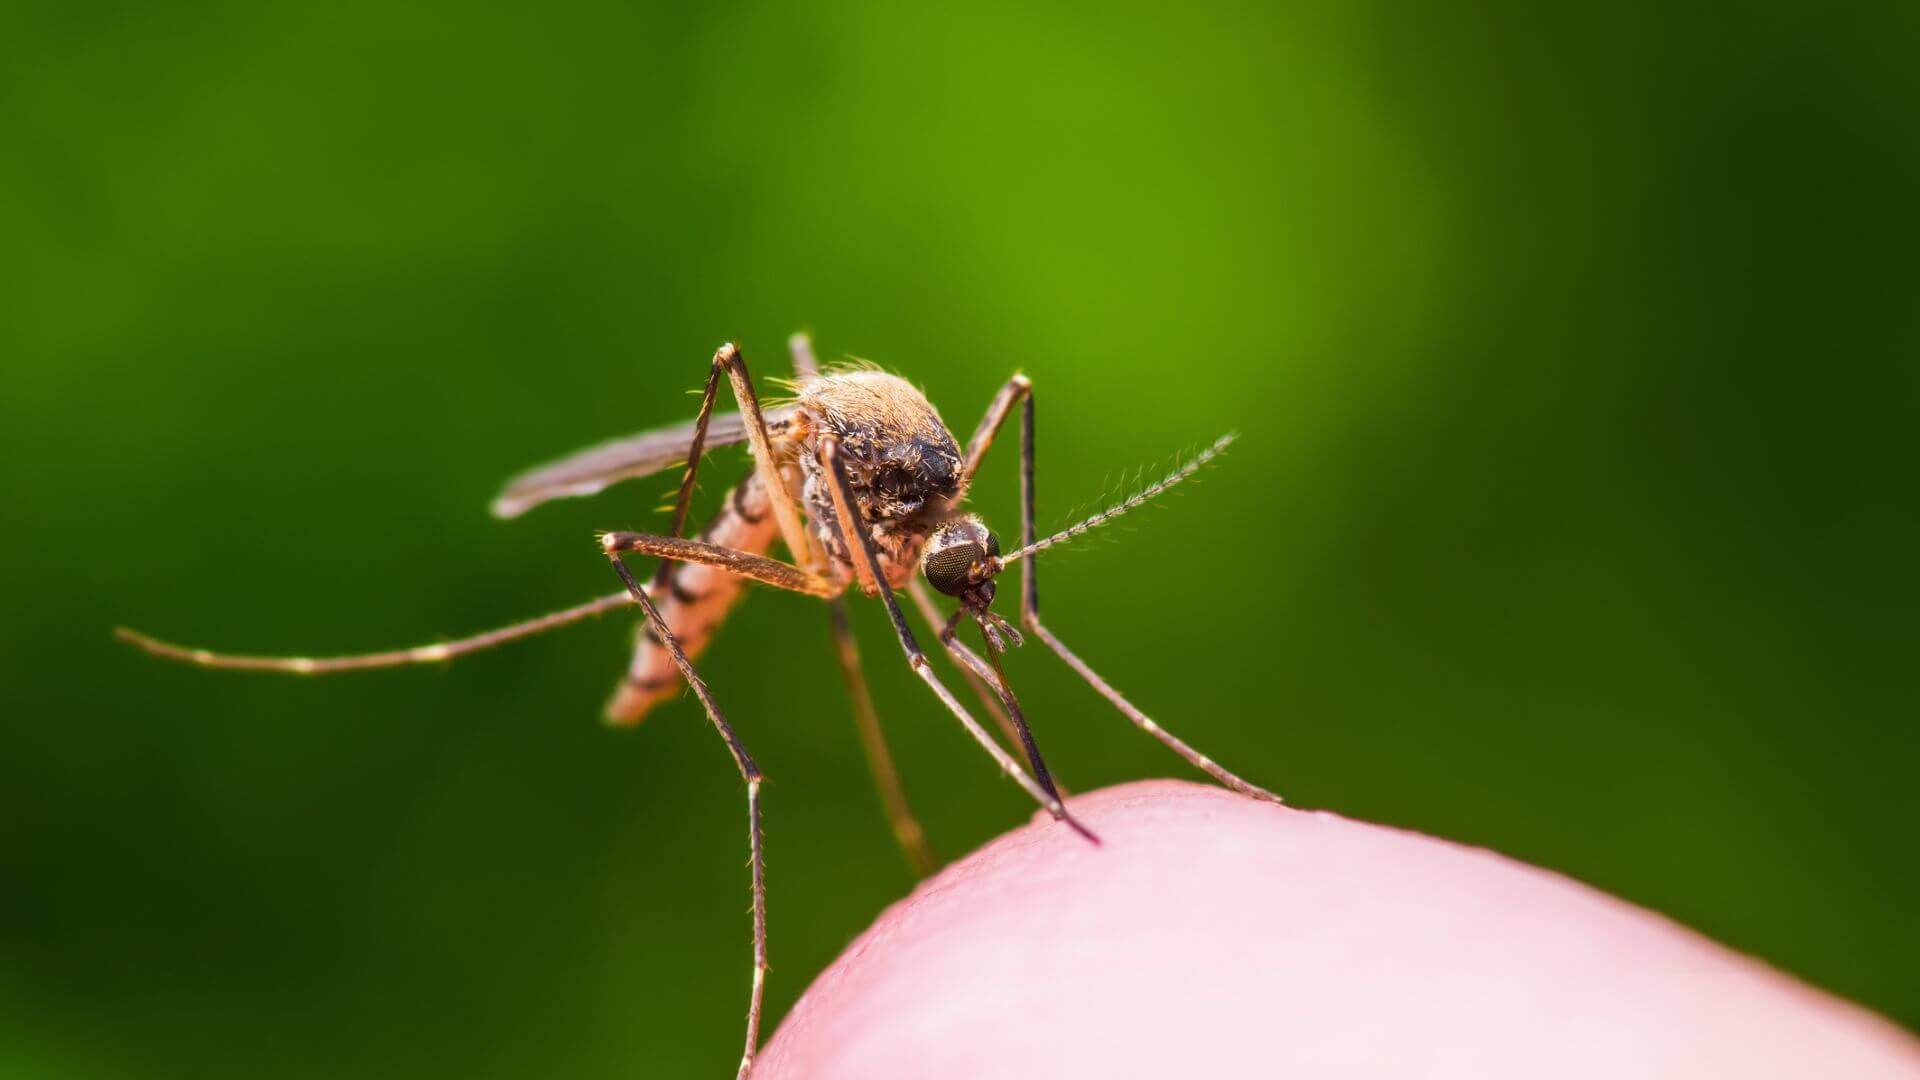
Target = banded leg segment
(854,532)
(886,778)
(419,654)
(750,772)
(744,564)
(1019,388)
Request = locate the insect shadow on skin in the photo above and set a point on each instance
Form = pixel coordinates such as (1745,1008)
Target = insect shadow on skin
(863,484)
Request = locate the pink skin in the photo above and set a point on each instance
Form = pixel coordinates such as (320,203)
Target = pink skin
(1215,936)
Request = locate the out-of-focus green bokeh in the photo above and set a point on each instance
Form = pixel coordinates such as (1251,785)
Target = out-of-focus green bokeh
(1574,356)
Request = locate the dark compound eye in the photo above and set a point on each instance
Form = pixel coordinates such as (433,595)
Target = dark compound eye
(949,568)
(993,545)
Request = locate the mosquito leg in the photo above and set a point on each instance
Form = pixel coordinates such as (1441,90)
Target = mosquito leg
(1144,722)
(419,654)
(854,531)
(906,828)
(1030,615)
(728,361)
(750,772)
(623,708)
(694,452)
(785,510)
(651,670)
(1017,389)
(746,564)
(922,598)
(979,675)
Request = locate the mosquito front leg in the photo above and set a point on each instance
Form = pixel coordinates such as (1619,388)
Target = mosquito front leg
(1018,389)
(1030,597)
(893,797)
(854,531)
(750,772)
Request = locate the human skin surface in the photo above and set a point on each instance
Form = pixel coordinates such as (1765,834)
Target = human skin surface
(1214,936)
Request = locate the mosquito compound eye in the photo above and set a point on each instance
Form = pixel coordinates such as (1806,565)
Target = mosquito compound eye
(950,568)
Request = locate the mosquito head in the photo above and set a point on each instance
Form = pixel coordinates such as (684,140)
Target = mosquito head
(961,558)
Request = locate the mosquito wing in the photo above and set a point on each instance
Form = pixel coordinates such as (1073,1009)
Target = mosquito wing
(594,468)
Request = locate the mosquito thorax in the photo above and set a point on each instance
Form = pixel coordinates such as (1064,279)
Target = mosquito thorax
(958,559)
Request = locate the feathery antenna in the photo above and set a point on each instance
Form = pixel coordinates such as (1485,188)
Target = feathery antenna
(1131,502)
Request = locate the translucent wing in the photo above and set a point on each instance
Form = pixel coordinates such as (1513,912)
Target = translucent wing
(594,468)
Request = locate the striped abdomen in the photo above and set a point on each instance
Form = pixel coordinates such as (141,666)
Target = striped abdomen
(694,601)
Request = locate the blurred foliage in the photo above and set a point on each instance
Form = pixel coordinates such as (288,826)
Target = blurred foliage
(1573,352)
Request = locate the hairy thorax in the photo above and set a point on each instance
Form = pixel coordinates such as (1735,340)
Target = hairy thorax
(901,459)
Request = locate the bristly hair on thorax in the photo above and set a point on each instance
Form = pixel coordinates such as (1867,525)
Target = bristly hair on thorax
(903,463)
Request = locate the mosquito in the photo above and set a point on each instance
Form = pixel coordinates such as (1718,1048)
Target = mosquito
(864,485)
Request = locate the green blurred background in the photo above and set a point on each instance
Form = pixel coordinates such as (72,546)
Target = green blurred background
(1574,358)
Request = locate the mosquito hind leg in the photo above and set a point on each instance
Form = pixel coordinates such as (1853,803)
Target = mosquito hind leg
(749,772)
(745,564)
(860,545)
(419,654)
(893,798)
(1030,599)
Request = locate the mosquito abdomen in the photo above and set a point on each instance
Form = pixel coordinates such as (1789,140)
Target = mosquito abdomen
(693,601)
